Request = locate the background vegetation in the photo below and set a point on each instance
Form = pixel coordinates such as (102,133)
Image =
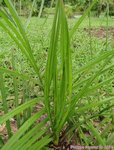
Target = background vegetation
(56,74)
(72,7)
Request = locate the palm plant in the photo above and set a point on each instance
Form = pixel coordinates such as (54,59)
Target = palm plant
(63,93)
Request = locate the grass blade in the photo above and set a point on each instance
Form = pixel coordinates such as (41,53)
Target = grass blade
(5,106)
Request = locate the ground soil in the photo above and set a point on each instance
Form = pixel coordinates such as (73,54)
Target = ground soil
(101,32)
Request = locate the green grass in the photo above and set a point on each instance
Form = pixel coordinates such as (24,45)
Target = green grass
(38,33)
(35,30)
(95,21)
(68,74)
(38,36)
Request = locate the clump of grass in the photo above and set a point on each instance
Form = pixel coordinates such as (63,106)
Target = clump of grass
(72,100)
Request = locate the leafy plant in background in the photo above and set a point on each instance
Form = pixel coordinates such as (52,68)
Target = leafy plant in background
(68,109)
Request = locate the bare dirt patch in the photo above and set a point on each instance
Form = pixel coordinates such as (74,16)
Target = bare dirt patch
(101,32)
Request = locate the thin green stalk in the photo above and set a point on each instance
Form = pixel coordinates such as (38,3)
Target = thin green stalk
(14,3)
(30,15)
(41,8)
(52,2)
(15,82)
(90,36)
(29,110)
(20,8)
(107,24)
(81,19)
(26,97)
(28,51)
(4,101)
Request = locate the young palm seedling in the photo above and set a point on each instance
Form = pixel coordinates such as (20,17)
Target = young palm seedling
(65,102)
